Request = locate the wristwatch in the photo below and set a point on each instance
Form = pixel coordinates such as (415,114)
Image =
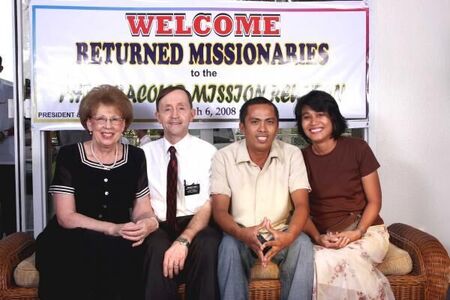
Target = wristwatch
(183,241)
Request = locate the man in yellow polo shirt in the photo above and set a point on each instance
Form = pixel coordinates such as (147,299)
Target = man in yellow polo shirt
(259,188)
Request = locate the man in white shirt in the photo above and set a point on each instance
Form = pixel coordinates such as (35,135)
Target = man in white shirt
(184,248)
(143,137)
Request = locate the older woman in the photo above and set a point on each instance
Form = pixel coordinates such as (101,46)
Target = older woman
(90,249)
(345,202)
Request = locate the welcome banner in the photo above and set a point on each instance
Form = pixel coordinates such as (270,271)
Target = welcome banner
(223,52)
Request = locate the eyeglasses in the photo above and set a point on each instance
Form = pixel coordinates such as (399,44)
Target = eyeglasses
(115,121)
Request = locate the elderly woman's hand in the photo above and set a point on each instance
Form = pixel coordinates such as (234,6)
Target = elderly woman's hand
(138,231)
(114,229)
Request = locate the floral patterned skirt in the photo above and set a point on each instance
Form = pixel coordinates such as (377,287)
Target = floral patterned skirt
(350,272)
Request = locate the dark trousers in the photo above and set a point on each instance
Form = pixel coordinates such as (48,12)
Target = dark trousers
(7,200)
(200,269)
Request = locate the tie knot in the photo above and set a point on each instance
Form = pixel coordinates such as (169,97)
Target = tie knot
(172,150)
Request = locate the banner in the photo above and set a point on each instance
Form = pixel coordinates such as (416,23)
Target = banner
(223,52)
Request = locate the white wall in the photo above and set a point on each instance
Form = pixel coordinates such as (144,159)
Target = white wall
(410,111)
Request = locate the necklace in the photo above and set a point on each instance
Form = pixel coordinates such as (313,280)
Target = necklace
(99,161)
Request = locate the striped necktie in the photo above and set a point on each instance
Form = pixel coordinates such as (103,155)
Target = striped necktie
(171,195)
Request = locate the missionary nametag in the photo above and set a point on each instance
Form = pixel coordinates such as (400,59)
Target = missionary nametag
(191,189)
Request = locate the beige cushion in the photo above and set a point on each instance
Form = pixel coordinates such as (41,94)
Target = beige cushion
(26,274)
(396,262)
(269,272)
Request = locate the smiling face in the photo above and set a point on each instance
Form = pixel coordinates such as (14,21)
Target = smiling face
(260,128)
(175,113)
(106,125)
(317,125)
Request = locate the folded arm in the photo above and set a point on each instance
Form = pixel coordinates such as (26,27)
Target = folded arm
(143,219)
(69,218)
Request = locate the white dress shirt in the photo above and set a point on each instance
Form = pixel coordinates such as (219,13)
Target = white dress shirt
(194,167)
(144,140)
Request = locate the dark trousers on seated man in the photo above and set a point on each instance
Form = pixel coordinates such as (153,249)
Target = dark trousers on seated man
(200,268)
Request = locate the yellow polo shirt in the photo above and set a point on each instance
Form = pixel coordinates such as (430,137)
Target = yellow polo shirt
(257,193)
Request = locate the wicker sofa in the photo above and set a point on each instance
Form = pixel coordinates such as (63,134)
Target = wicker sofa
(427,280)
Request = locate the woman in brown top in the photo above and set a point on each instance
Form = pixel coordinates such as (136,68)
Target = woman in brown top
(345,202)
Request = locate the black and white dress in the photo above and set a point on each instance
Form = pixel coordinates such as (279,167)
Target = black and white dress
(85,264)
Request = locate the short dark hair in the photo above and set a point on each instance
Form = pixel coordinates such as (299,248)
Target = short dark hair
(107,95)
(322,102)
(167,90)
(254,101)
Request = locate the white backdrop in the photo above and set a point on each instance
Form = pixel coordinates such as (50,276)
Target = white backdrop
(289,49)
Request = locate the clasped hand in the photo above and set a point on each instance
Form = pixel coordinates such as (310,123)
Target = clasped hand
(135,232)
(337,240)
(280,240)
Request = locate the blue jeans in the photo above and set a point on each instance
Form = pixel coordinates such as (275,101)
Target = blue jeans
(295,262)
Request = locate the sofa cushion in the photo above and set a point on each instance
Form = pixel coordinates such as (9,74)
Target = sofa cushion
(396,262)
(271,271)
(26,274)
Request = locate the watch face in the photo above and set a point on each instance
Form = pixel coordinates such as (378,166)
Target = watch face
(183,241)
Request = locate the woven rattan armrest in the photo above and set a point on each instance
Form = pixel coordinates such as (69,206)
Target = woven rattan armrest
(13,249)
(430,260)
